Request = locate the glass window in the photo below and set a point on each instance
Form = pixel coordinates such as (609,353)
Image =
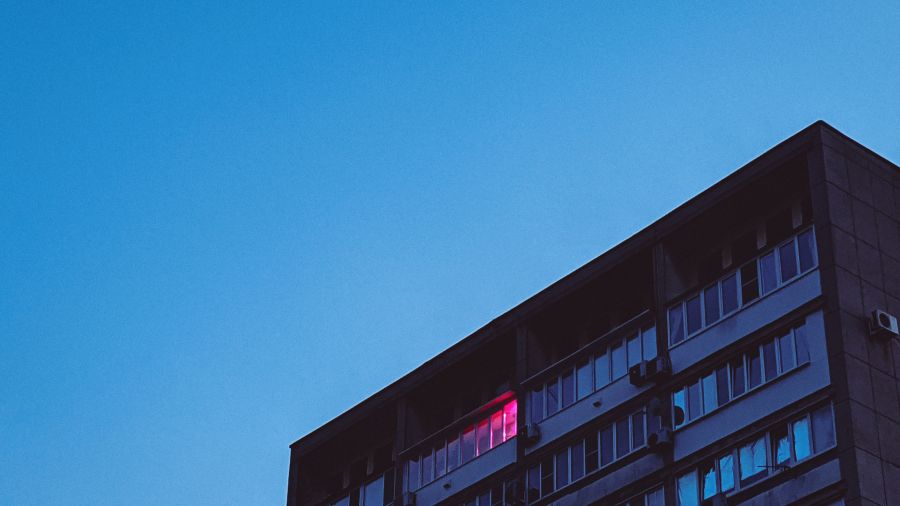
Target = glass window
(510,414)
(722,396)
(754,370)
(552,397)
(801,345)
(468,444)
(749,286)
(547,476)
(637,430)
(711,304)
(729,294)
(590,453)
(634,350)
(623,438)
(753,461)
(373,493)
(606,446)
(562,469)
(485,499)
(769,361)
(694,319)
(656,497)
(806,247)
(823,428)
(788,258)
(679,402)
(802,446)
(767,273)
(781,445)
(568,388)
(686,489)
(534,483)
(497,495)
(427,467)
(648,336)
(577,460)
(726,471)
(585,379)
(452,454)
(708,482)
(342,502)
(619,367)
(710,391)
(786,350)
(676,325)
(412,474)
(484,436)
(497,428)
(601,370)
(738,382)
(471,502)
(694,409)
(536,400)
(440,460)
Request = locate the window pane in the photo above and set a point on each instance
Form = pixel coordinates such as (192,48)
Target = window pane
(552,397)
(708,480)
(484,436)
(468,444)
(510,415)
(496,428)
(623,438)
(711,304)
(801,345)
(562,469)
(769,360)
(440,461)
(802,446)
(738,385)
(619,368)
(749,286)
(710,391)
(606,446)
(373,493)
(786,349)
(534,483)
(767,273)
(536,401)
(637,430)
(788,258)
(427,467)
(823,428)
(694,320)
(676,325)
(694,409)
(485,499)
(342,502)
(722,396)
(547,476)
(754,370)
(726,469)
(601,370)
(729,294)
(452,454)
(634,350)
(753,461)
(591,456)
(806,245)
(781,445)
(577,460)
(497,495)
(568,388)
(656,498)
(687,489)
(648,336)
(585,379)
(412,474)
(679,402)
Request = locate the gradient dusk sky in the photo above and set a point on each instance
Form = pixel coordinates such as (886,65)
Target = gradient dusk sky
(223,224)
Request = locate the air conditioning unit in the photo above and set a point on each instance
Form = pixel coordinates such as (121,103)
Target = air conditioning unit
(883,325)
(719,499)
(649,371)
(660,440)
(408,499)
(530,435)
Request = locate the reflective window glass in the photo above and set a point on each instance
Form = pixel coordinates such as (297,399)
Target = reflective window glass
(637,430)
(536,401)
(373,493)
(754,369)
(484,436)
(788,258)
(601,370)
(722,395)
(606,446)
(676,324)
(510,414)
(534,483)
(679,404)
(552,397)
(452,454)
(781,445)
(738,382)
(648,336)
(656,498)
(623,438)
(568,388)
(694,409)
(591,457)
(496,428)
(547,476)
(468,444)
(412,474)
(577,460)
(710,391)
(823,428)
(711,304)
(440,460)
(802,443)
(753,461)
(769,360)
(801,345)
(729,294)
(726,471)
(786,351)
(686,489)
(767,273)
(585,379)
(694,318)
(619,367)
(806,247)
(708,482)
(562,468)
(634,350)
(427,467)
(749,284)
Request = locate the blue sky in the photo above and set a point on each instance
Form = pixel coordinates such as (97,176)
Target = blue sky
(224,224)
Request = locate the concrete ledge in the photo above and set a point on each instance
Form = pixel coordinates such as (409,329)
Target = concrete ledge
(802,486)
(613,481)
(468,474)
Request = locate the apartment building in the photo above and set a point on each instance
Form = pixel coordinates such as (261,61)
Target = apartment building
(741,350)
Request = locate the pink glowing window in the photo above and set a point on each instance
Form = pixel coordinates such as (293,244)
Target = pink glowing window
(509,419)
